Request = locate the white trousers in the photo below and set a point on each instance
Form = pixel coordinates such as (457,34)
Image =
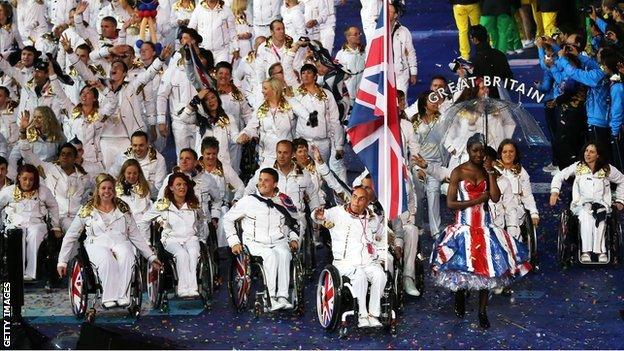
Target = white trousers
(328,34)
(113,264)
(592,238)
(111,149)
(276,263)
(186,257)
(32,237)
(410,250)
(360,276)
(222,54)
(402,80)
(260,30)
(431,189)
(184,135)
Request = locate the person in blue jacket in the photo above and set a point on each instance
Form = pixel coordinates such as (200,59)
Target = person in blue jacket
(609,58)
(589,74)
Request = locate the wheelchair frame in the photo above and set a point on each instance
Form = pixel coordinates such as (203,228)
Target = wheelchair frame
(569,245)
(243,276)
(161,282)
(528,233)
(83,280)
(335,302)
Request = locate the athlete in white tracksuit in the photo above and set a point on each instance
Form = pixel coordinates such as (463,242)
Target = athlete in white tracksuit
(27,210)
(265,234)
(111,239)
(182,228)
(353,229)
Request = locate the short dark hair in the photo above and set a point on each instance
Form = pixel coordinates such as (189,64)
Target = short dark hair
(286,142)
(310,68)
(68,146)
(223,64)
(270,71)
(6,90)
(123,65)
(273,23)
(478,32)
(272,172)
(440,77)
(150,44)
(84,47)
(139,133)
(191,151)
(490,152)
(296,143)
(3,161)
(31,49)
(28,168)
(110,19)
(209,142)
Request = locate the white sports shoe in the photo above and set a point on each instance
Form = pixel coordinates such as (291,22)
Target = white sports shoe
(603,258)
(287,305)
(374,322)
(276,304)
(550,168)
(526,44)
(124,301)
(585,258)
(363,322)
(410,287)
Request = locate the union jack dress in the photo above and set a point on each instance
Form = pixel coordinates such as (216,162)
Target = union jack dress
(472,253)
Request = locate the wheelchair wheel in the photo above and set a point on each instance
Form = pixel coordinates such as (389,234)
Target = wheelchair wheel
(399,290)
(529,238)
(615,239)
(136,291)
(298,284)
(205,275)
(77,288)
(328,297)
(239,282)
(389,305)
(564,239)
(153,277)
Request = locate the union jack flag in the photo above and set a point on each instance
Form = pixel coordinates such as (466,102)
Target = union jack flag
(374,127)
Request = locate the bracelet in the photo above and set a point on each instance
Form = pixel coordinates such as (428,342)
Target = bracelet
(490,172)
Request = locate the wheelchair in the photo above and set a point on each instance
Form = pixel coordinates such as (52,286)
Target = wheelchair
(85,287)
(247,280)
(335,302)
(528,235)
(162,282)
(569,241)
(47,257)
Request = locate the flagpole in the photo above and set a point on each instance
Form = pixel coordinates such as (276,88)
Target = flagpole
(384,179)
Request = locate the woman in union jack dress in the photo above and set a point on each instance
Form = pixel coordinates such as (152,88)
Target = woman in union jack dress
(473,254)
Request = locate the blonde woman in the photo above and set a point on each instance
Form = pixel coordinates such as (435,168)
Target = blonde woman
(112,235)
(273,121)
(133,188)
(243,19)
(42,131)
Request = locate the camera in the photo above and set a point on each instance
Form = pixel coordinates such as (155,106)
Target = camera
(313,119)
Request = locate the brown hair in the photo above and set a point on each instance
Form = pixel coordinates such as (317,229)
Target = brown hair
(190,197)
